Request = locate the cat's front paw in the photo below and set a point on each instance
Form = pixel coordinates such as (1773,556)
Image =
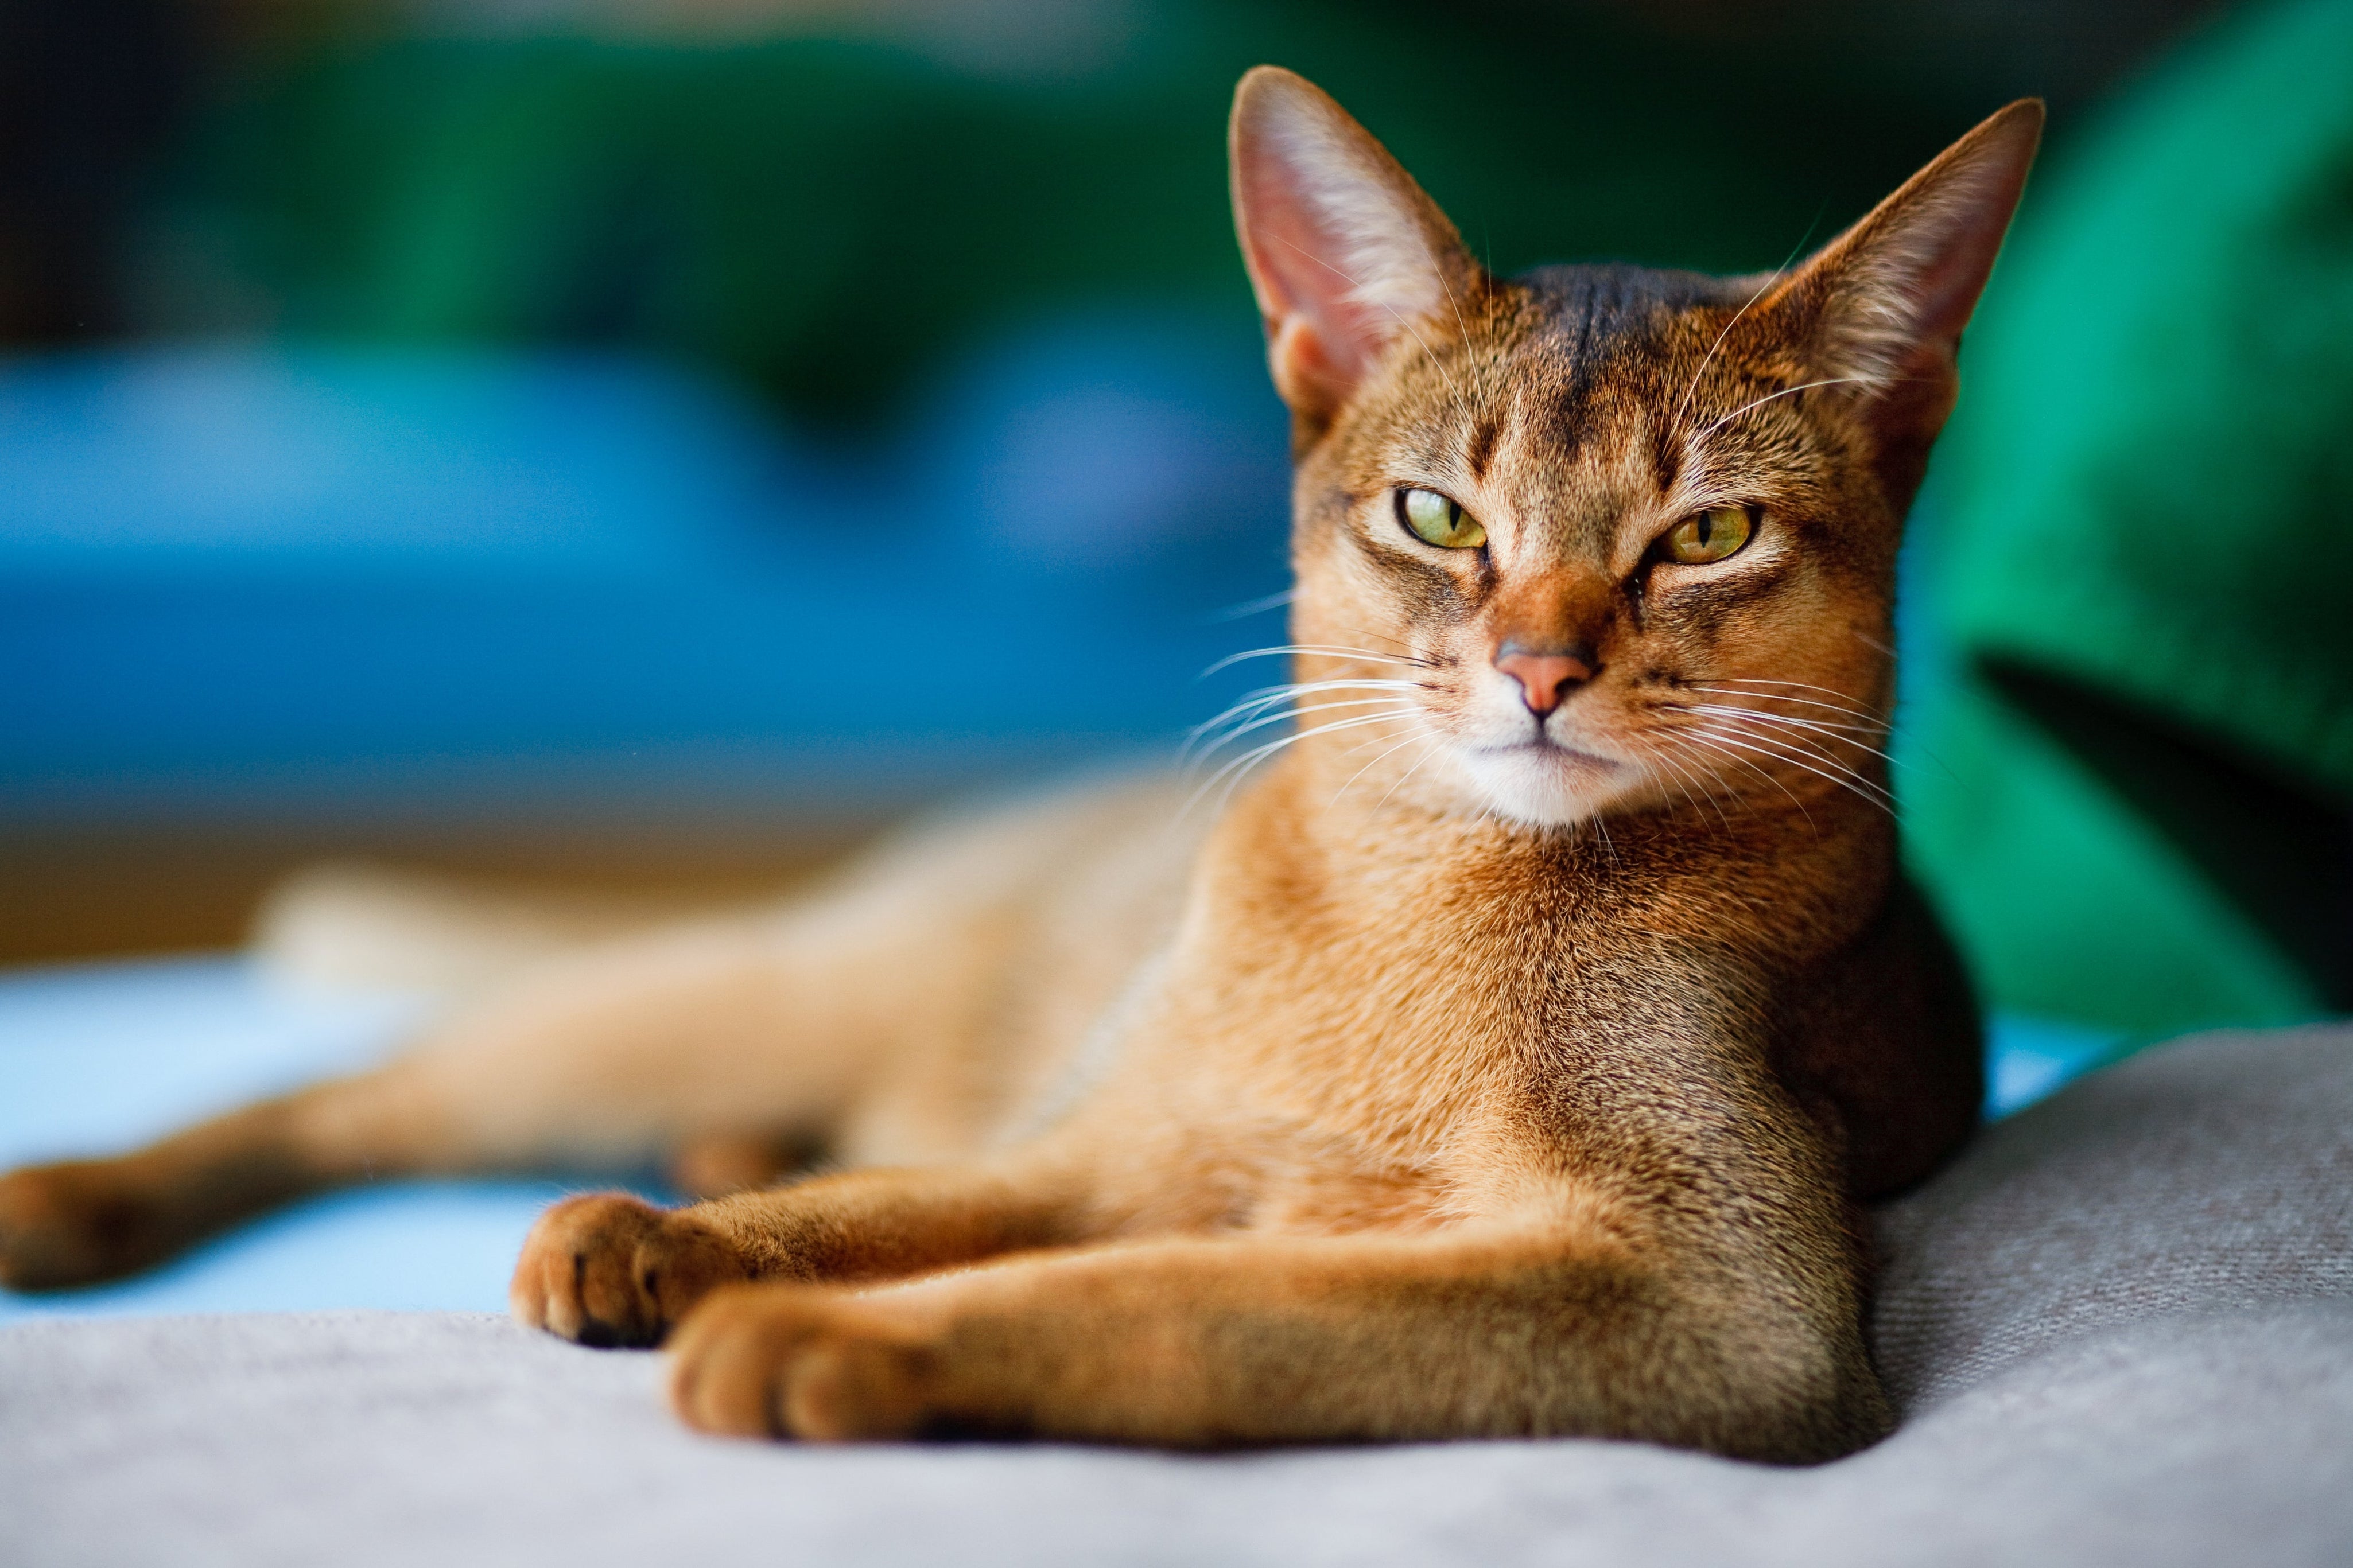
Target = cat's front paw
(607,1270)
(796,1361)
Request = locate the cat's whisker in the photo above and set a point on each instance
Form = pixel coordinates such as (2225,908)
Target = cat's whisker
(1714,743)
(1713,789)
(1601,826)
(1657,769)
(1391,703)
(1844,778)
(1430,750)
(1366,744)
(1853,704)
(1368,767)
(1272,748)
(1798,734)
(1802,747)
(1260,753)
(1869,720)
(1761,402)
(1403,647)
(1797,742)
(1333,651)
(1681,780)
(1839,734)
(1259,606)
(1825,726)
(1204,738)
(1269,697)
(1866,717)
(1763,288)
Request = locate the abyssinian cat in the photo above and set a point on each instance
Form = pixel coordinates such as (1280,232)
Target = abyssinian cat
(1511,1055)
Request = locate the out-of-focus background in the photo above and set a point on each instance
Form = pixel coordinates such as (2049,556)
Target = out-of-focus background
(642,446)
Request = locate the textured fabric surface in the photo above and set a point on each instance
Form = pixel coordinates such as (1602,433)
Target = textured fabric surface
(2121,1327)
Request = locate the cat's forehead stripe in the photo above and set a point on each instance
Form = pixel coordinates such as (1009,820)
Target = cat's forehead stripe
(1485,431)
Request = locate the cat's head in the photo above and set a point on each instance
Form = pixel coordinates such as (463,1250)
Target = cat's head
(1620,538)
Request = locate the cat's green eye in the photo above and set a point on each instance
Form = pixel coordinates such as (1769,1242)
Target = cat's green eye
(1709,536)
(1434,520)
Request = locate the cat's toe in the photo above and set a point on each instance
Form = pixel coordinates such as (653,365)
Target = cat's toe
(789,1360)
(69,1224)
(607,1270)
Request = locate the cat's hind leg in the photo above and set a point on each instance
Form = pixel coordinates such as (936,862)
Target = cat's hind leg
(743,1031)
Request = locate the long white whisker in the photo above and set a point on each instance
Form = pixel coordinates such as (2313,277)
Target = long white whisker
(1762,289)
(1840,734)
(1405,647)
(1234,658)
(1260,753)
(1675,776)
(1393,704)
(1715,744)
(1854,704)
(1369,741)
(1368,767)
(1796,746)
(1801,744)
(1274,704)
(1868,717)
(1682,782)
(1429,751)
(1846,778)
(1602,827)
(1370,720)
(1272,696)
(1827,726)
(1759,403)
(1250,607)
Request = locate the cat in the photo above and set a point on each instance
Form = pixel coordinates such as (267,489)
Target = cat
(1510,1056)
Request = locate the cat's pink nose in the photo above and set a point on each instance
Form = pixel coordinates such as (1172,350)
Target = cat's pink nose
(1545,677)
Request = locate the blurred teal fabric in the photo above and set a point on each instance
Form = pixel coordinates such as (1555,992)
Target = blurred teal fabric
(2132,745)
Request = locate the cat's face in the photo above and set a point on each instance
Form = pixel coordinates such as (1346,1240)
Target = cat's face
(1611,593)
(1618,538)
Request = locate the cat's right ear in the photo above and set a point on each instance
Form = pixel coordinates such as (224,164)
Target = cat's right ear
(1345,252)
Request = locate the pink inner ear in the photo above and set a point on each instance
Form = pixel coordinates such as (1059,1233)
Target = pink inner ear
(1344,250)
(1302,369)
(1301,267)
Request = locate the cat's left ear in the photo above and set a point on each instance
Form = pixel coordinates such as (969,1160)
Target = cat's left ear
(1346,255)
(1882,305)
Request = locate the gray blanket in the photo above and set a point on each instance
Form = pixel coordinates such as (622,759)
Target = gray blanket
(2122,1329)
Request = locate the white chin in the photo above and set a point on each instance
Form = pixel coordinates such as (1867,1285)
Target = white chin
(1544,786)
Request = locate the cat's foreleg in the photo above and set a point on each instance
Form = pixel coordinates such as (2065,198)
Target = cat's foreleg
(608,1269)
(1220,1341)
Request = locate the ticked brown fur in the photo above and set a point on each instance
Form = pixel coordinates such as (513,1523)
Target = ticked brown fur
(1508,1058)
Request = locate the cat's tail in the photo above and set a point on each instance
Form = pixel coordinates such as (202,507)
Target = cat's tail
(353,925)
